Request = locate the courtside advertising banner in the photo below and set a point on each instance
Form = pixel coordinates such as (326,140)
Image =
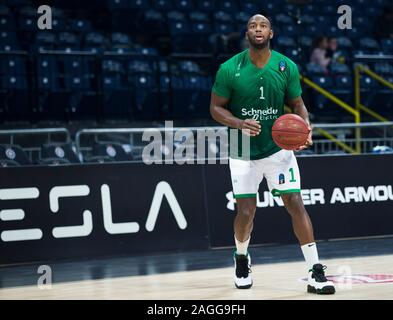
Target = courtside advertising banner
(76,211)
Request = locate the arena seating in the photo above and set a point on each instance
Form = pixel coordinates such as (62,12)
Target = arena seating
(120,59)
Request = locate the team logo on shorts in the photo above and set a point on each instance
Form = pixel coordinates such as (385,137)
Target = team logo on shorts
(282,65)
(281,178)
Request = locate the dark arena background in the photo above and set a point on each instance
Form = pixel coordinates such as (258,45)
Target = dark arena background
(87,87)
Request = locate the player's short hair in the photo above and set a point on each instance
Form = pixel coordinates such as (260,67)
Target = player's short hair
(266,16)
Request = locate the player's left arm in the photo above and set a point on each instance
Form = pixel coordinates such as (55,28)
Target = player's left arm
(298,107)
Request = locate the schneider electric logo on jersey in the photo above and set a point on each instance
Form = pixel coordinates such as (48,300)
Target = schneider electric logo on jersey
(197,145)
(258,114)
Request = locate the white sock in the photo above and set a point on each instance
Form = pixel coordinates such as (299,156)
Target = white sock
(241,247)
(310,254)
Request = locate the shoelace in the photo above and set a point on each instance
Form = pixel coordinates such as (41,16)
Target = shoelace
(318,273)
(242,267)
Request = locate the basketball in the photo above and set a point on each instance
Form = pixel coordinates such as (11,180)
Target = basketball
(290,131)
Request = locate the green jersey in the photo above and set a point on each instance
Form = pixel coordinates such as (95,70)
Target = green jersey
(259,94)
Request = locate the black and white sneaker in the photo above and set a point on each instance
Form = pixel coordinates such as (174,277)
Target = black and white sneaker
(317,282)
(242,275)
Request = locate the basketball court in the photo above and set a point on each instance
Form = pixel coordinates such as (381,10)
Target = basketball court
(143,143)
(361,269)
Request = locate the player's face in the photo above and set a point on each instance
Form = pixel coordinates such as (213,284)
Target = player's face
(259,32)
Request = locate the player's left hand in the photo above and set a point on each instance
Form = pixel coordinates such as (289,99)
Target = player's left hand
(308,142)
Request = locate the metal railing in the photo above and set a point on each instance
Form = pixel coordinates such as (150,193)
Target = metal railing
(31,140)
(342,139)
(343,105)
(362,69)
(132,139)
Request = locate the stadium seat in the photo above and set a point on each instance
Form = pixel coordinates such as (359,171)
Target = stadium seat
(179,28)
(199,16)
(114,151)
(7,23)
(282,18)
(343,88)
(383,68)
(206,5)
(8,163)
(146,96)
(176,16)
(184,5)
(14,95)
(121,40)
(387,45)
(162,5)
(325,82)
(95,40)
(13,65)
(58,24)
(222,17)
(201,28)
(242,18)
(223,28)
(75,65)
(145,50)
(368,44)
(290,30)
(308,19)
(27,23)
(119,99)
(285,42)
(153,22)
(314,69)
(249,7)
(272,7)
(52,153)
(189,67)
(309,9)
(344,42)
(228,5)
(79,26)
(68,41)
(14,153)
(8,37)
(45,40)
(339,68)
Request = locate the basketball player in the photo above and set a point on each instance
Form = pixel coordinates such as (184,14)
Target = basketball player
(249,94)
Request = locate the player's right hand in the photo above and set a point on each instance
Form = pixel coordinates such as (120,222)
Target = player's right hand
(251,127)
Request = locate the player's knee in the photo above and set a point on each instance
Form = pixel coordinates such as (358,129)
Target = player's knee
(247,212)
(293,201)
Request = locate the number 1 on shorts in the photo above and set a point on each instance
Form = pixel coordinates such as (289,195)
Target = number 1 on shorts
(292,175)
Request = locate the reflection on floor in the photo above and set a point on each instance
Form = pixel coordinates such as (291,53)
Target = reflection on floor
(277,273)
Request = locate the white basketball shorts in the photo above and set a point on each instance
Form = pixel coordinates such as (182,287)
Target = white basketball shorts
(280,170)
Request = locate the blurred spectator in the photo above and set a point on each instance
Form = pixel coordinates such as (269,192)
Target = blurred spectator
(237,41)
(318,54)
(333,52)
(384,24)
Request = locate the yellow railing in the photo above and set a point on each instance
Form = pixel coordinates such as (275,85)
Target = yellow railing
(354,111)
(359,106)
(346,107)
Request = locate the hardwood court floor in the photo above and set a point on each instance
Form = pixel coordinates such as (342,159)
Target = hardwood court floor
(207,275)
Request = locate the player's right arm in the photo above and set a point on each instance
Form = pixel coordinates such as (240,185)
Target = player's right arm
(221,114)
(220,96)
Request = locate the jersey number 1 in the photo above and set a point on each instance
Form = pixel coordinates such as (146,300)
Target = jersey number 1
(261,97)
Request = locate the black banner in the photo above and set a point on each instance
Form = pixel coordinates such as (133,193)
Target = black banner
(345,196)
(85,211)
(109,209)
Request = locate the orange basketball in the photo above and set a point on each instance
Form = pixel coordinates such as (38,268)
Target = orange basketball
(290,131)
